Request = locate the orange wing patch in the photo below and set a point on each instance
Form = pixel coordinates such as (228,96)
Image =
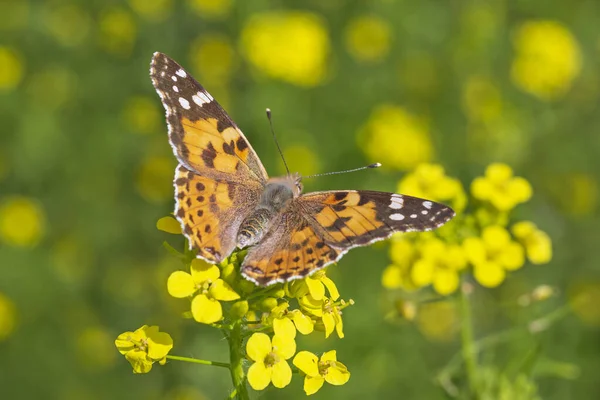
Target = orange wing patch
(208,147)
(347,218)
(200,203)
(294,259)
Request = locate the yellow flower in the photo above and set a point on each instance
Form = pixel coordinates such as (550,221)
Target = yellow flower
(368,38)
(169,224)
(213,58)
(482,100)
(429,181)
(492,255)
(8,317)
(439,264)
(301,157)
(118,31)
(269,358)
(537,243)
(320,370)
(206,288)
(314,285)
(327,310)
(11,68)
(500,188)
(155,10)
(387,127)
(144,347)
(211,8)
(438,320)
(22,222)
(547,59)
(142,115)
(285,322)
(291,46)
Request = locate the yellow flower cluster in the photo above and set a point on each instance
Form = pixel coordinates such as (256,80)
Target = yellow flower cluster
(478,240)
(368,38)
(144,347)
(547,59)
(291,46)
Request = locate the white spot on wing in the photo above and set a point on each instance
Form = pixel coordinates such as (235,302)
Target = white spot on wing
(413,215)
(174,78)
(424,212)
(397,217)
(181,73)
(397,202)
(427,204)
(184,103)
(202,98)
(176,89)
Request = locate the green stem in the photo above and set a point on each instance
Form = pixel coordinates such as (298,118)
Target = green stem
(197,361)
(466,335)
(236,357)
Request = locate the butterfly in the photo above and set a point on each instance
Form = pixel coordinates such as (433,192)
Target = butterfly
(225,199)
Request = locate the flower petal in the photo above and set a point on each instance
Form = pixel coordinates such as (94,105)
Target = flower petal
(334,294)
(259,376)
(330,355)
(307,362)
(220,290)
(329,324)
(139,361)
(489,274)
(258,346)
(282,374)
(169,224)
(159,343)
(206,310)
(310,305)
(339,325)
(284,327)
(284,346)
(337,374)
(312,384)
(203,271)
(445,281)
(303,323)
(180,284)
(315,288)
(124,342)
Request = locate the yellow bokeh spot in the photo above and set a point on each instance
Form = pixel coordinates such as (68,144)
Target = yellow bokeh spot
(482,100)
(142,115)
(118,31)
(69,24)
(22,222)
(11,68)
(211,8)
(8,317)
(95,348)
(389,127)
(584,298)
(368,38)
(52,87)
(302,158)
(153,10)
(547,59)
(154,178)
(438,321)
(500,188)
(14,14)
(71,260)
(290,46)
(212,58)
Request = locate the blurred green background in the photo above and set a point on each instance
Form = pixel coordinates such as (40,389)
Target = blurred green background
(86,170)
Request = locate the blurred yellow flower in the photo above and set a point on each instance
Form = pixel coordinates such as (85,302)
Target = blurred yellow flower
(328,311)
(368,38)
(94,348)
(537,243)
(14,14)
(212,57)
(144,347)
(8,317)
(439,265)
(302,158)
(269,358)
(117,31)
(169,224)
(430,181)
(11,68)
(547,59)
(438,321)
(154,178)
(492,255)
(3,166)
(153,10)
(500,188)
(52,87)
(419,74)
(584,297)
(71,259)
(318,371)
(206,287)
(211,8)
(396,138)
(482,100)
(69,24)
(142,115)
(22,222)
(291,46)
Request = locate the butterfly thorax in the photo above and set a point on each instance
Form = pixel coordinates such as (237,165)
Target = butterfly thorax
(276,196)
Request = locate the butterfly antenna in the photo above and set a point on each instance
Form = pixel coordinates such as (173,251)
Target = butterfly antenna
(275,139)
(375,165)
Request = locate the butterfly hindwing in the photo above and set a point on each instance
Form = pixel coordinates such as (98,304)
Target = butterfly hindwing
(204,138)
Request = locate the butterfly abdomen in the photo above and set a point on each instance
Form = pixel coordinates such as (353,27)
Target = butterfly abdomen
(254,227)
